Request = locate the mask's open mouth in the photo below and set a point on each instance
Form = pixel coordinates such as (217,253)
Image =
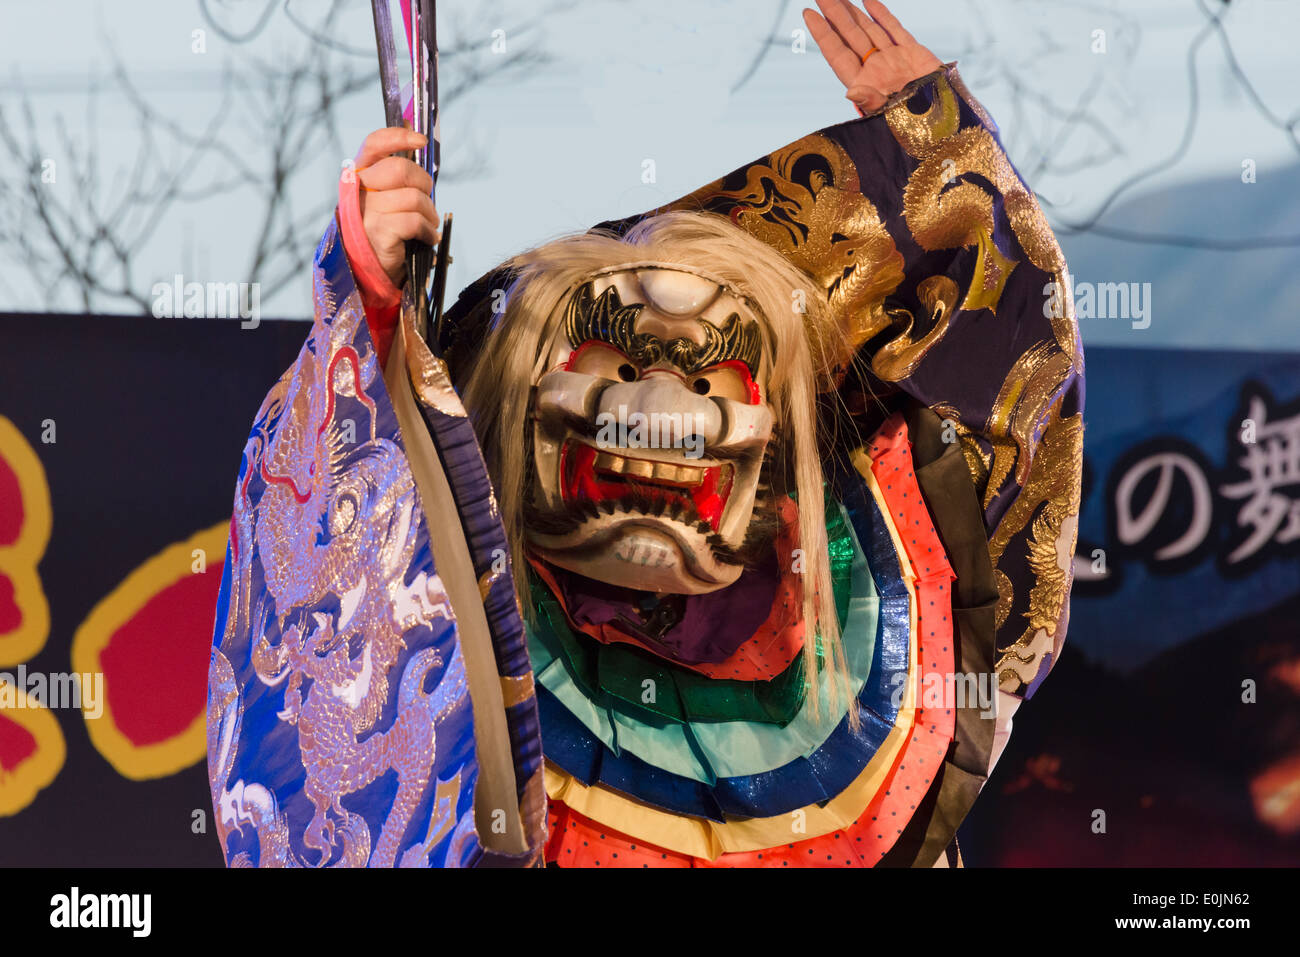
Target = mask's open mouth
(601,475)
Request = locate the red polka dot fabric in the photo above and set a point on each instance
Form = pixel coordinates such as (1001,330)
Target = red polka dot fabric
(577,841)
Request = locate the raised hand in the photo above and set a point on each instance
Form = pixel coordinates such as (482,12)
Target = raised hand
(395,203)
(870,52)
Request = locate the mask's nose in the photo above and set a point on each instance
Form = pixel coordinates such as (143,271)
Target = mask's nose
(669,413)
(666,375)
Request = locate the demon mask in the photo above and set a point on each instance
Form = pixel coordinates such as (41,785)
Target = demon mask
(650,431)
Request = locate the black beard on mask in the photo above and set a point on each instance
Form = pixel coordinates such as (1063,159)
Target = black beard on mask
(759,539)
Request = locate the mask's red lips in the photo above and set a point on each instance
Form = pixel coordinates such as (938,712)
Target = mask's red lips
(600,475)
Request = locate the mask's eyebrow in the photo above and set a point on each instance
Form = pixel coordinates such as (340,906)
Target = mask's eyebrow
(737,340)
(605,318)
(602,318)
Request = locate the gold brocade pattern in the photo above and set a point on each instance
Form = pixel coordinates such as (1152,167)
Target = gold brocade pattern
(1054,484)
(898,358)
(1029,388)
(948,204)
(917,133)
(945,212)
(1005,591)
(992,270)
(807,203)
(978,462)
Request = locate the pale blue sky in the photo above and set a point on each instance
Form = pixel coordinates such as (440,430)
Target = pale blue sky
(563,145)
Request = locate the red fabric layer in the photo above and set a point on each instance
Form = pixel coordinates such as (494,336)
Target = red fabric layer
(379,297)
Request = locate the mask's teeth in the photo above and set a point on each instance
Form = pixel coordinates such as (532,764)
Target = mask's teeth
(687,475)
(666,472)
(609,462)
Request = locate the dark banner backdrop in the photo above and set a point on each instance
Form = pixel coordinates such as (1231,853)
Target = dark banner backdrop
(1164,736)
(147,419)
(1174,712)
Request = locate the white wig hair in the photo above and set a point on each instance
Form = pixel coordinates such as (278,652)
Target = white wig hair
(801,346)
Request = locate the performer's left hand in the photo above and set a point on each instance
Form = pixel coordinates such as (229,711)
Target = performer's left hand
(870,52)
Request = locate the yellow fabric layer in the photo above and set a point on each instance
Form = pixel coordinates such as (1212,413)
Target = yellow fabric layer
(710,839)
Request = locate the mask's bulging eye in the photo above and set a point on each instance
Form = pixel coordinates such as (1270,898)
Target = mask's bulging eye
(600,359)
(726,380)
